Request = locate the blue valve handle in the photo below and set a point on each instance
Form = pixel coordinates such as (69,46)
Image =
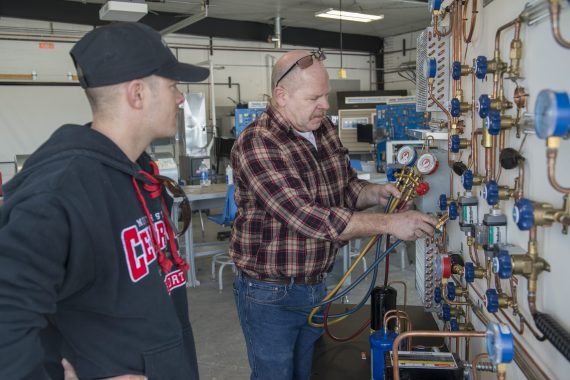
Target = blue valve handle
(467,179)
(491,193)
(443,202)
(437,295)
(455,143)
(454,325)
(455,107)
(446,312)
(503,265)
(456,70)
(451,290)
(492,300)
(434,5)
(500,344)
(432,68)
(523,214)
(493,122)
(552,110)
(481,67)
(469,271)
(452,211)
(484,106)
(391,174)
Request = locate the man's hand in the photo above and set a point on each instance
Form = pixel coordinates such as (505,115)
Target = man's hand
(69,373)
(373,195)
(411,225)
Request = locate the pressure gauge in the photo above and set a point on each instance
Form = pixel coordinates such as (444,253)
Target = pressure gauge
(427,164)
(552,110)
(500,345)
(407,155)
(430,68)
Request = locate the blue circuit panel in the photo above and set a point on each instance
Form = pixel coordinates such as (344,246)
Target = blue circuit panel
(395,119)
(244,117)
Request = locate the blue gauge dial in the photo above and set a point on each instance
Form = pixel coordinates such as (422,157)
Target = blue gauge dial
(552,110)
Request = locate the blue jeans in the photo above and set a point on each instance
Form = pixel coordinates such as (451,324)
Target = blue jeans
(279,341)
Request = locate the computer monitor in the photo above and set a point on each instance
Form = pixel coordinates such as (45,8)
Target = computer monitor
(365,133)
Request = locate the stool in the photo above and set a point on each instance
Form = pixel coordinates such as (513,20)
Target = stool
(223,259)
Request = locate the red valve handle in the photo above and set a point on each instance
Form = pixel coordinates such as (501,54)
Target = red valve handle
(422,188)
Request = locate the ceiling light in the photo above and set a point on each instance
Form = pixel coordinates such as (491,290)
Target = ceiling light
(348,16)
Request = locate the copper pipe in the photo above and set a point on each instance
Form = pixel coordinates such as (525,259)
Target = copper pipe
(523,322)
(554,20)
(449,121)
(519,188)
(473,254)
(551,165)
(467,39)
(501,375)
(472,111)
(488,167)
(398,317)
(457,42)
(405,290)
(447,300)
(474,364)
(493,158)
(435,26)
(498,33)
(532,280)
(409,334)
(518,346)
(497,56)
(474,148)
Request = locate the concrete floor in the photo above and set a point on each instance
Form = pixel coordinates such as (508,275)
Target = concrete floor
(219,339)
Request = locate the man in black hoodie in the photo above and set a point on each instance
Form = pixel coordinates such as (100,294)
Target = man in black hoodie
(89,264)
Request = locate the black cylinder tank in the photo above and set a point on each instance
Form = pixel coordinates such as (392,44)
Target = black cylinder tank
(383,300)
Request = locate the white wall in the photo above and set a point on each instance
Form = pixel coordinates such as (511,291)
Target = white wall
(29,114)
(544,66)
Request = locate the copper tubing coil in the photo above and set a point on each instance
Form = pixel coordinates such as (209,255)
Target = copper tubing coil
(467,38)
(444,334)
(554,22)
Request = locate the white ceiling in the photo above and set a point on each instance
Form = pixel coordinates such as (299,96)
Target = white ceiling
(400,16)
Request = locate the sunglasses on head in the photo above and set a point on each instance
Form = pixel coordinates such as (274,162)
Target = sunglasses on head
(177,192)
(304,62)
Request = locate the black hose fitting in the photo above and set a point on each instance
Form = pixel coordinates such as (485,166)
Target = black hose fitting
(554,332)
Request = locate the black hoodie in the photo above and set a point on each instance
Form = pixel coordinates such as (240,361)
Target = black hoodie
(79,273)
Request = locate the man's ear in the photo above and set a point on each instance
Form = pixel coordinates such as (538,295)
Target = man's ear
(280,96)
(135,93)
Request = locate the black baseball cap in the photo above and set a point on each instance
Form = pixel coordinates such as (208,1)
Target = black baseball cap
(124,51)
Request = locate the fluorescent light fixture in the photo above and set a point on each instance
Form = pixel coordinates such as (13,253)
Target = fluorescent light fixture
(348,16)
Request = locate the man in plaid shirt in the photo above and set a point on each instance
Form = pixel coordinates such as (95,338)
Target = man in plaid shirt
(297,199)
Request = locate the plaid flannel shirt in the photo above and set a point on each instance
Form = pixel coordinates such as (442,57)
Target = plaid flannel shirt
(293,200)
